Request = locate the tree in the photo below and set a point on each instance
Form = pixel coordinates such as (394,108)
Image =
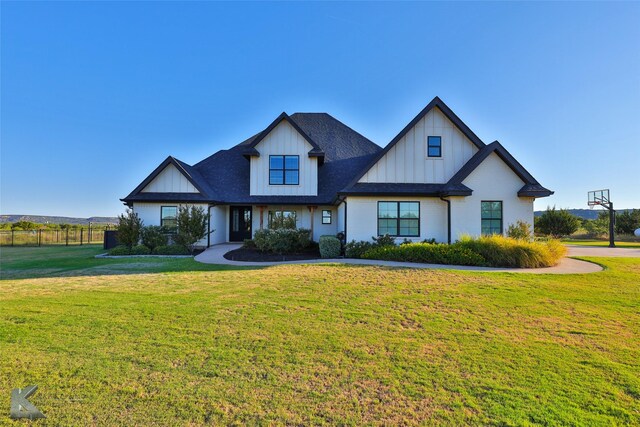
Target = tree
(129,225)
(519,230)
(192,226)
(628,221)
(25,225)
(599,226)
(557,223)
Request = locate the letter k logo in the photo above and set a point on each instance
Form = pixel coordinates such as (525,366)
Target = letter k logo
(21,407)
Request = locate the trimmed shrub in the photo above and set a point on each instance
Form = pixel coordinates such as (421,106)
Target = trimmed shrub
(520,230)
(282,241)
(500,251)
(385,240)
(119,250)
(153,236)
(330,247)
(557,223)
(249,244)
(355,249)
(426,253)
(140,250)
(171,250)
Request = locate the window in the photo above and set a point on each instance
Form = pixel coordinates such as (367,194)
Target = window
(326,217)
(168,218)
(401,219)
(491,212)
(284,170)
(282,219)
(434,146)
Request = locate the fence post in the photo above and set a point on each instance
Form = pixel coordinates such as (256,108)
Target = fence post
(12,231)
(57,236)
(81,230)
(67,240)
(39,236)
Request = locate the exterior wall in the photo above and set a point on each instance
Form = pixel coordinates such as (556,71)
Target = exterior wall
(407,161)
(492,180)
(303,218)
(220,224)
(340,213)
(170,180)
(149,213)
(362,217)
(284,140)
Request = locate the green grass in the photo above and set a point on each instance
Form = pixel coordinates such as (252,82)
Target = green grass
(174,342)
(593,242)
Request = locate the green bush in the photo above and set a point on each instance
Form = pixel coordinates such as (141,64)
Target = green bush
(140,250)
(129,225)
(171,250)
(385,240)
(355,249)
(500,251)
(249,244)
(627,221)
(330,247)
(429,253)
(119,251)
(282,241)
(192,226)
(153,236)
(520,230)
(557,223)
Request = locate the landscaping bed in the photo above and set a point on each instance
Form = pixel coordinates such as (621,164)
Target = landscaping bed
(254,255)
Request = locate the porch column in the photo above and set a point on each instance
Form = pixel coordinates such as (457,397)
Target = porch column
(312,209)
(261,216)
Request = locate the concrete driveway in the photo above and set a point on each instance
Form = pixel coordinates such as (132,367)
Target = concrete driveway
(603,251)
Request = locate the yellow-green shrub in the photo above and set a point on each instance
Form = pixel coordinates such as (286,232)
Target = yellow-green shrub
(500,251)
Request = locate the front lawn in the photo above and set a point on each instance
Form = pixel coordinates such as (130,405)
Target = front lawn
(175,342)
(593,242)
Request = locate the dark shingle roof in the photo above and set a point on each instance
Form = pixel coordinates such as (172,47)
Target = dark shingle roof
(224,176)
(401,189)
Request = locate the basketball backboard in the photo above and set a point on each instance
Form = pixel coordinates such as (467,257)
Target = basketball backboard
(598,197)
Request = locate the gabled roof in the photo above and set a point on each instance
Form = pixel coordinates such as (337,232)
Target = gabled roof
(192,176)
(250,149)
(435,102)
(532,188)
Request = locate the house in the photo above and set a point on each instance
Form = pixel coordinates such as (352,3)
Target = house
(435,179)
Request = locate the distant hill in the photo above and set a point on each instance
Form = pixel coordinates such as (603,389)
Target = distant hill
(43,219)
(584,213)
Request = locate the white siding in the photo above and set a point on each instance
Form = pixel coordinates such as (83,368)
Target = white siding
(149,213)
(362,218)
(303,218)
(492,180)
(170,180)
(284,140)
(219,224)
(407,161)
(340,213)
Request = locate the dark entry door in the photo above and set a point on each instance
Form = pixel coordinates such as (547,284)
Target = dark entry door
(240,223)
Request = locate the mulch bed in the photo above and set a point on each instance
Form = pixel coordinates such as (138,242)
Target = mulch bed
(254,255)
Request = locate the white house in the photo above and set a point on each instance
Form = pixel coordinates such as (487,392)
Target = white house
(435,179)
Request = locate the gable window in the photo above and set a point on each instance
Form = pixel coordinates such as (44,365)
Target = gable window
(284,170)
(491,213)
(434,146)
(401,219)
(168,218)
(326,216)
(282,219)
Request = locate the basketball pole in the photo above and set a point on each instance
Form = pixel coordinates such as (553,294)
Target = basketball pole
(612,220)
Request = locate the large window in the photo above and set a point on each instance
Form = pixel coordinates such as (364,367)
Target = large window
(491,212)
(326,217)
(282,219)
(284,170)
(434,146)
(401,219)
(168,218)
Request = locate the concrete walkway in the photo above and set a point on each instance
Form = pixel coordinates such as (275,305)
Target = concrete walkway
(214,255)
(603,251)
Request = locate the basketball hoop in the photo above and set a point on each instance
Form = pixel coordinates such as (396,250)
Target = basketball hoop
(601,198)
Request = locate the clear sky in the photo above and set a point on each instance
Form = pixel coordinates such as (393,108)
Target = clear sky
(95,95)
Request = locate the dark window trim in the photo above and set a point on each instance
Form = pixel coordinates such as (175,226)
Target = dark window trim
(330,216)
(439,146)
(397,202)
(162,219)
(493,219)
(284,168)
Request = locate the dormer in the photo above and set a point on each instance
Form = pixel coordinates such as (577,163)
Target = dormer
(284,160)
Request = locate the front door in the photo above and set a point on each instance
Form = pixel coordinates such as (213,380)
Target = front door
(240,223)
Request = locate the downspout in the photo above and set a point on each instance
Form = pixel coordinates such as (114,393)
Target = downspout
(345,221)
(448,218)
(209,227)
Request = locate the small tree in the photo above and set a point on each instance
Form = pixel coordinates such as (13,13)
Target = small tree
(520,230)
(599,226)
(192,226)
(557,223)
(129,225)
(153,236)
(627,221)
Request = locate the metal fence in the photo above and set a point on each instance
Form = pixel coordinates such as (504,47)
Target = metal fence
(82,236)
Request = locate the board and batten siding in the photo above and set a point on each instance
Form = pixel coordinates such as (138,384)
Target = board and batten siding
(170,180)
(492,180)
(362,218)
(284,140)
(407,160)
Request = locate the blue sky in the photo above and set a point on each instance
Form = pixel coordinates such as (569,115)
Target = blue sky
(95,95)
